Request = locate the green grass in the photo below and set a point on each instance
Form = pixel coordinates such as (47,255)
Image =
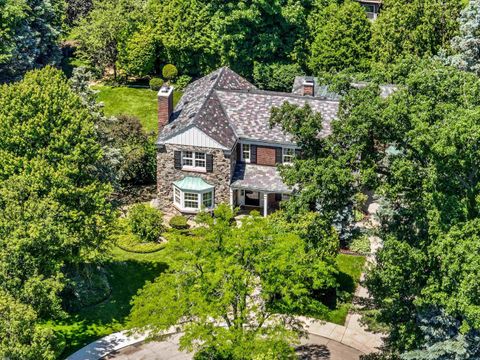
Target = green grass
(351,268)
(139,102)
(128,272)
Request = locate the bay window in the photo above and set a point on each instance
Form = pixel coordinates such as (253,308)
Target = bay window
(193,194)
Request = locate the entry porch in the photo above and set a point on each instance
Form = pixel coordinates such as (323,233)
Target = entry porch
(251,200)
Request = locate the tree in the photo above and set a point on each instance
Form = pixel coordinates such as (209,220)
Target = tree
(235,289)
(103,34)
(20,336)
(466,46)
(54,212)
(417,27)
(29,35)
(276,76)
(139,55)
(341,40)
(77,9)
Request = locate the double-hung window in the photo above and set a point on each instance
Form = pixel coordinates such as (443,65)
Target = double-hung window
(207,199)
(246,152)
(288,155)
(194,161)
(190,200)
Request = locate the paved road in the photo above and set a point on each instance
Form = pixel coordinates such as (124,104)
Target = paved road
(313,348)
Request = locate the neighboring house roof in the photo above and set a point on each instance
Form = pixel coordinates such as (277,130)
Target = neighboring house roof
(227,107)
(322,91)
(258,178)
(193,183)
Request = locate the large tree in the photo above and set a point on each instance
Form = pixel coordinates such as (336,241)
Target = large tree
(341,39)
(29,35)
(418,27)
(54,212)
(234,289)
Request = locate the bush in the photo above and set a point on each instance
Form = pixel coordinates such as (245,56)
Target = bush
(361,244)
(179,222)
(146,222)
(155,83)
(276,76)
(132,243)
(182,82)
(169,72)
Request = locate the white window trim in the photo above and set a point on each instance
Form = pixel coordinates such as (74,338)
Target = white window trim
(292,156)
(200,194)
(249,152)
(194,166)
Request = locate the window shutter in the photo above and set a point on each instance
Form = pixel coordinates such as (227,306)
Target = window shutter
(253,154)
(278,155)
(177,159)
(209,162)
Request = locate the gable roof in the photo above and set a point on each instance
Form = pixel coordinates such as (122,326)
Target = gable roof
(226,107)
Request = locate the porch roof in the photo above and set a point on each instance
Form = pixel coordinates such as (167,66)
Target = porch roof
(258,178)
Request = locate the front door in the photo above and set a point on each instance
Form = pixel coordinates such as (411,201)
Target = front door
(252,198)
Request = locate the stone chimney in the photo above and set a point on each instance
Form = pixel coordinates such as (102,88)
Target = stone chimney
(309,86)
(165,106)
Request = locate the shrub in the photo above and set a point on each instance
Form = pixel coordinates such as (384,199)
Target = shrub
(182,82)
(169,72)
(179,222)
(132,243)
(155,83)
(361,244)
(146,222)
(276,76)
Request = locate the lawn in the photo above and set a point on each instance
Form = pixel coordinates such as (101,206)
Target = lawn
(128,272)
(350,268)
(139,102)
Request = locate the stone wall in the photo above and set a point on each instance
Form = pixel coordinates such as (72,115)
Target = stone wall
(167,174)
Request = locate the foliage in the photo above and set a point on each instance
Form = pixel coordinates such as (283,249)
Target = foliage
(137,56)
(466,46)
(179,222)
(227,282)
(155,83)
(169,72)
(360,244)
(29,35)
(182,82)
(342,39)
(77,9)
(146,222)
(275,76)
(20,336)
(417,27)
(138,165)
(132,243)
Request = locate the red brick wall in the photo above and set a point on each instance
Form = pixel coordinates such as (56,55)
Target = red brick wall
(265,155)
(165,109)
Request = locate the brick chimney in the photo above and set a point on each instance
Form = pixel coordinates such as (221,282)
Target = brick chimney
(309,86)
(165,106)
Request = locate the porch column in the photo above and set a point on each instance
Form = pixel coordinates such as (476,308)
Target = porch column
(231,198)
(265,204)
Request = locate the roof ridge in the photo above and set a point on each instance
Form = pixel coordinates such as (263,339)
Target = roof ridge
(279,93)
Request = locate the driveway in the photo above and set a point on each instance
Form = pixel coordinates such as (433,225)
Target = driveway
(313,348)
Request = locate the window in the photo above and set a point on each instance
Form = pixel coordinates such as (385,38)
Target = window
(288,155)
(207,200)
(190,200)
(177,197)
(194,160)
(246,152)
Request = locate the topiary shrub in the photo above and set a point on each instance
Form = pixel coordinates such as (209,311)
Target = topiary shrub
(182,82)
(179,222)
(169,72)
(146,222)
(155,83)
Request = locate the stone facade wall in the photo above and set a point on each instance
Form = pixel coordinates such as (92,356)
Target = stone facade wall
(167,174)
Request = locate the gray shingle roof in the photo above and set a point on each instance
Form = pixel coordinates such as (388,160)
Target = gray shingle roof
(227,107)
(323,91)
(259,178)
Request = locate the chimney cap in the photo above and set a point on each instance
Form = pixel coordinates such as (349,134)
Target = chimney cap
(309,80)
(165,91)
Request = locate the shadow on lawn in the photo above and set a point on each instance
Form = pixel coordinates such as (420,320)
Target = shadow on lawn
(90,323)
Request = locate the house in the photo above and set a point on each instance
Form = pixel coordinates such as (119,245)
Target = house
(217,146)
(372,7)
